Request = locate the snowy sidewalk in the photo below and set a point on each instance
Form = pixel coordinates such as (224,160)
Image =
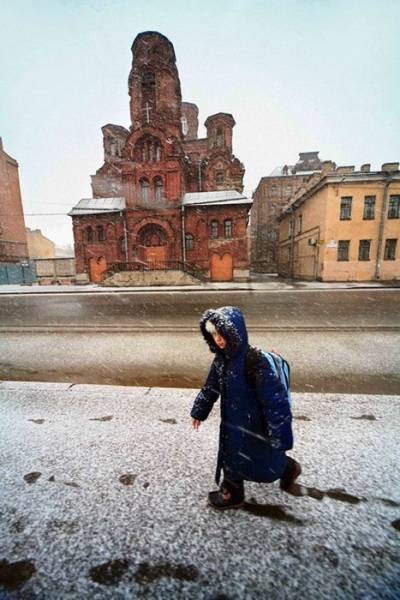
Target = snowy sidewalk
(103,495)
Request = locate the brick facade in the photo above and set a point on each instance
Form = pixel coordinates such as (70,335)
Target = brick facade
(13,241)
(153,164)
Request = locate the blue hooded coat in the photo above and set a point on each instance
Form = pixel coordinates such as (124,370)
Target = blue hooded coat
(255,429)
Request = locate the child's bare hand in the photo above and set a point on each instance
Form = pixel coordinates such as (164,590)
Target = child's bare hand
(196,423)
(276,352)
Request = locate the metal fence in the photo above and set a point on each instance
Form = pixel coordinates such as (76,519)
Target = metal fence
(22,273)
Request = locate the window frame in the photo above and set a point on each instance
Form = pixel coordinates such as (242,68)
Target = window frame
(228,229)
(189,242)
(394,211)
(390,255)
(361,248)
(349,206)
(144,185)
(101,236)
(369,207)
(214,229)
(341,247)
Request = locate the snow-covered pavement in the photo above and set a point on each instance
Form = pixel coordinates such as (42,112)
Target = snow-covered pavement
(103,495)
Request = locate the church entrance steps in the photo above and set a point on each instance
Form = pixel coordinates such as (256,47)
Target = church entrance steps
(149,278)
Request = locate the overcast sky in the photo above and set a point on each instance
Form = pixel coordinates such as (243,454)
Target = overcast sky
(296,75)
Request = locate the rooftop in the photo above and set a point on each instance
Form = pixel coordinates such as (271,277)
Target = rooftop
(216,197)
(92,206)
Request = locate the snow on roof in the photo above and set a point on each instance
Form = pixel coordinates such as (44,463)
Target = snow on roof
(92,206)
(217,197)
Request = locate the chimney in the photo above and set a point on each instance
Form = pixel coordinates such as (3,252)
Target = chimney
(365,168)
(345,170)
(390,167)
(328,166)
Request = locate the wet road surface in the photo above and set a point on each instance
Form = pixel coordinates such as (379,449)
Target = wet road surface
(335,341)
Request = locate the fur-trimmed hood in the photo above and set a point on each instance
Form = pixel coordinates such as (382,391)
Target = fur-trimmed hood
(229,322)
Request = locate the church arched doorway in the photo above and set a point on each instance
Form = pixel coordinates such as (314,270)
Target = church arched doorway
(153,245)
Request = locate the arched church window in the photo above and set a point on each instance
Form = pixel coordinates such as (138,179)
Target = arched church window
(214,230)
(219,138)
(189,241)
(148,89)
(220,177)
(113,147)
(228,228)
(148,149)
(152,235)
(100,233)
(144,189)
(158,189)
(89,234)
(184,125)
(158,152)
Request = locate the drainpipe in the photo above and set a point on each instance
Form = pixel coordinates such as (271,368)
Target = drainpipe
(183,236)
(125,236)
(293,226)
(199,174)
(381,227)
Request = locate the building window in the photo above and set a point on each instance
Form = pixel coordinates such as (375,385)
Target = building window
(100,233)
(184,124)
(290,232)
(390,249)
(343,250)
(220,177)
(189,241)
(158,189)
(144,190)
(214,230)
(228,228)
(89,234)
(345,208)
(364,249)
(369,208)
(394,207)
(148,149)
(219,137)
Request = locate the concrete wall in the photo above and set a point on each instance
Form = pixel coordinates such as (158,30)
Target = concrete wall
(150,278)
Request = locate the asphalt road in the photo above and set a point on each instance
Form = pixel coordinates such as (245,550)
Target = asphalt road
(282,309)
(336,341)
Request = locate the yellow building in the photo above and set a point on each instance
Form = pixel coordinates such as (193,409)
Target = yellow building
(39,246)
(344,227)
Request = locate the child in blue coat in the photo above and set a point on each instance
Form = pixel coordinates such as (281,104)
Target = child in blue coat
(256,420)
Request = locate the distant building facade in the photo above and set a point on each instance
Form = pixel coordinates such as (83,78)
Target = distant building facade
(163,195)
(344,227)
(39,246)
(13,241)
(271,195)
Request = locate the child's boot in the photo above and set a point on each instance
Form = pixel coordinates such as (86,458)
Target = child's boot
(290,474)
(230,495)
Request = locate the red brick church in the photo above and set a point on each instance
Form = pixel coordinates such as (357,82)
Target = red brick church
(163,196)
